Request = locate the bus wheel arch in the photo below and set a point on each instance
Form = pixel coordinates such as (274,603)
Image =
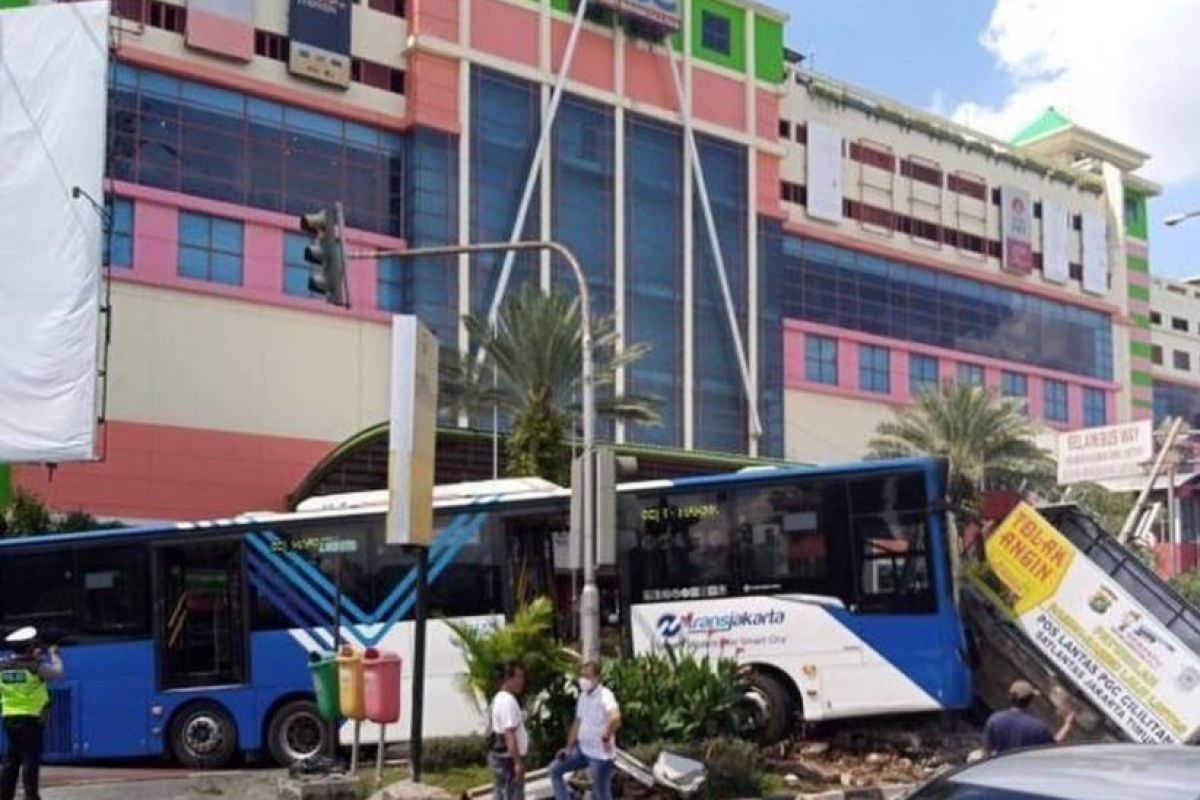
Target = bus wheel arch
(774,700)
(294,730)
(203,734)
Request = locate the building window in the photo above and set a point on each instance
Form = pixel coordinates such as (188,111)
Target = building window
(969,375)
(785,129)
(1015,386)
(380,76)
(1155,318)
(393,7)
(118,245)
(1156,354)
(272,45)
(1055,397)
(1182,359)
(1179,324)
(923,172)
(874,369)
(296,270)
(922,374)
(715,33)
(168,17)
(1095,407)
(820,360)
(1132,215)
(210,249)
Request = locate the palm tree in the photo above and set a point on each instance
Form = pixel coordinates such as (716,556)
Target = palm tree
(989,443)
(536,354)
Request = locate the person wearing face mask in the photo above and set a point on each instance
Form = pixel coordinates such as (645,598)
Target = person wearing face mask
(591,741)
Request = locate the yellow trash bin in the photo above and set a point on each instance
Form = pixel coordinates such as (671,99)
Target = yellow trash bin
(350,683)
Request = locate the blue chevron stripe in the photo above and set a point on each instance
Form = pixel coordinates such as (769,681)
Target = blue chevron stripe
(282,567)
(260,578)
(447,545)
(318,579)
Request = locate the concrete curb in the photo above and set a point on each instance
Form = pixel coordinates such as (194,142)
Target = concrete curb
(897,792)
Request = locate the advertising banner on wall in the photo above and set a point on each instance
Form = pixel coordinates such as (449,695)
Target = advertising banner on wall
(1016,219)
(1095,254)
(52,140)
(664,13)
(1112,451)
(824,162)
(320,40)
(1104,641)
(224,27)
(1056,260)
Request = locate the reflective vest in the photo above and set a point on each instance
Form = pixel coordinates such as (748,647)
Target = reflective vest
(23,693)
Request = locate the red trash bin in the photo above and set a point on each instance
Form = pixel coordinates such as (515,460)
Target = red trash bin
(381,686)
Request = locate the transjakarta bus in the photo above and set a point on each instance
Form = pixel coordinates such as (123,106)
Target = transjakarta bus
(834,585)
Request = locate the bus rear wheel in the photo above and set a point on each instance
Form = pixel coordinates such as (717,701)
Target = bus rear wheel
(297,732)
(772,707)
(204,736)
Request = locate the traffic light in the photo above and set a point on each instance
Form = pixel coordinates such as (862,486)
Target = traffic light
(326,253)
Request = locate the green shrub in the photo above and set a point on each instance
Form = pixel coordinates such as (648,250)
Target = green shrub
(677,696)
(734,765)
(1188,585)
(454,752)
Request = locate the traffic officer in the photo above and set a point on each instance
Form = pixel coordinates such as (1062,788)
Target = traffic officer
(25,699)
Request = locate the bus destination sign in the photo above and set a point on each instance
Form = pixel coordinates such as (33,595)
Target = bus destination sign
(663,13)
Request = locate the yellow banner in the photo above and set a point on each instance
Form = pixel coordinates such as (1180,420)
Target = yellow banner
(1029,556)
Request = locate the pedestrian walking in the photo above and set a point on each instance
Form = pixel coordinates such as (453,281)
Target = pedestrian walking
(509,741)
(25,699)
(592,740)
(1015,727)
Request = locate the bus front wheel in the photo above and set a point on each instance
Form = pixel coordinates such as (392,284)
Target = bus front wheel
(772,707)
(297,732)
(204,736)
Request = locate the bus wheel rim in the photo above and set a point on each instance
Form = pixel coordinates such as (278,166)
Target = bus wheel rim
(203,734)
(303,736)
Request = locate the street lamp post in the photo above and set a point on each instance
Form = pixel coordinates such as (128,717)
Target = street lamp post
(1175,219)
(589,599)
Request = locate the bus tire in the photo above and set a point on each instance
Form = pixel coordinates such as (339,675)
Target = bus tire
(773,706)
(297,732)
(203,736)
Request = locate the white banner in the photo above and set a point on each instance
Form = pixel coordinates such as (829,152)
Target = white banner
(1096,454)
(412,437)
(824,172)
(1016,219)
(1056,261)
(52,119)
(1120,656)
(1095,254)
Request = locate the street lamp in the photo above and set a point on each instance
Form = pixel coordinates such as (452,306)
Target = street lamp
(1175,219)
(589,599)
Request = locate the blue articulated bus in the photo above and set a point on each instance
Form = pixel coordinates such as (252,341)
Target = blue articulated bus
(835,585)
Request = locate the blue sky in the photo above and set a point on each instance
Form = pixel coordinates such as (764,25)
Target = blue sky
(932,54)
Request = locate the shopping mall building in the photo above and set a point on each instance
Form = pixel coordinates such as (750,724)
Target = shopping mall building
(870,249)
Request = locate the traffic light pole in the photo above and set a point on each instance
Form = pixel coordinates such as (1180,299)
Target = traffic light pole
(589,598)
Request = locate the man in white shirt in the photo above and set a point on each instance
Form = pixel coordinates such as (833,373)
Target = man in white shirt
(591,741)
(509,741)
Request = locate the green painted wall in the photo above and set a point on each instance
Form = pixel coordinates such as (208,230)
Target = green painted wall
(1136,223)
(1141,379)
(5,486)
(1140,349)
(13,3)
(768,49)
(736,58)
(1140,293)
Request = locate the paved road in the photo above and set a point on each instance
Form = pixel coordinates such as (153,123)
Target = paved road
(154,783)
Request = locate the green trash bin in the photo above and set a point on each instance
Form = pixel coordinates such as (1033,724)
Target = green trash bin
(324,669)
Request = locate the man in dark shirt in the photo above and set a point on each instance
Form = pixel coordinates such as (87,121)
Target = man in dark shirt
(1015,727)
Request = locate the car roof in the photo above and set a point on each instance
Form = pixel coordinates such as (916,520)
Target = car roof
(1086,772)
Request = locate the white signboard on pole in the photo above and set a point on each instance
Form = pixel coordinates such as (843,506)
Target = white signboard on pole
(824,161)
(413,432)
(1118,654)
(1096,454)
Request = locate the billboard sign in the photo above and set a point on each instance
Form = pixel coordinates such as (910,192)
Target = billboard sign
(51,150)
(663,13)
(1017,230)
(1103,640)
(412,435)
(1112,451)
(320,40)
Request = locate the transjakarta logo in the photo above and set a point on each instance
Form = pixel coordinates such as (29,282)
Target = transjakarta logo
(671,626)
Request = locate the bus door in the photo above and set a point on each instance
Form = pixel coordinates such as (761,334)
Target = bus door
(201,615)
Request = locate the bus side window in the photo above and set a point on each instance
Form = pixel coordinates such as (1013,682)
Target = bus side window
(37,589)
(891,544)
(114,592)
